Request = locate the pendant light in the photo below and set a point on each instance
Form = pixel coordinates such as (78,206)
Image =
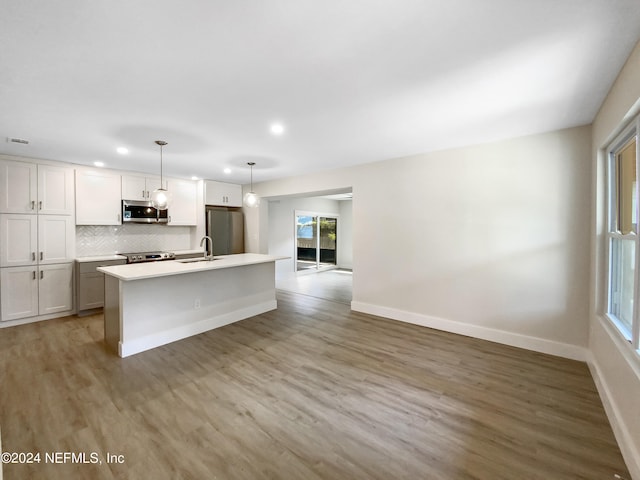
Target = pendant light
(160,197)
(251,199)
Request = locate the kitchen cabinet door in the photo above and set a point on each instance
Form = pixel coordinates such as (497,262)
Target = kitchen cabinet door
(55,190)
(18,240)
(56,239)
(18,187)
(98,198)
(90,283)
(153,183)
(91,293)
(19,292)
(55,288)
(139,188)
(134,188)
(183,209)
(223,194)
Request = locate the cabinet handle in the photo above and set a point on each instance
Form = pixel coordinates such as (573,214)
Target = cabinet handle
(144,194)
(33,256)
(169,218)
(41,274)
(33,204)
(40,204)
(41,255)
(34,274)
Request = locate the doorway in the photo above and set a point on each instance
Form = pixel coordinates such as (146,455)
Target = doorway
(316,242)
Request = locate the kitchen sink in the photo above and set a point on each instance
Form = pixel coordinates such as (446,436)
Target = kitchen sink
(197,259)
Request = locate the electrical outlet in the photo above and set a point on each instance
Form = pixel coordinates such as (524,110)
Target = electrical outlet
(196,304)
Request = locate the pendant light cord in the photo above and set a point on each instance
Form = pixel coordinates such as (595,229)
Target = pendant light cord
(251,164)
(160,166)
(162,144)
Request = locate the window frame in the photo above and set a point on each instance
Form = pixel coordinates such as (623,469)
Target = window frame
(612,233)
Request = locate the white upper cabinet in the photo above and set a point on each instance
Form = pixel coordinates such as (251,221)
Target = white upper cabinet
(134,188)
(139,188)
(153,183)
(18,240)
(55,190)
(56,239)
(18,187)
(183,209)
(222,194)
(33,239)
(97,197)
(31,188)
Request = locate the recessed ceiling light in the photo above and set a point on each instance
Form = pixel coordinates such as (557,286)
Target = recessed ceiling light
(194,178)
(277,129)
(122,150)
(99,164)
(227,170)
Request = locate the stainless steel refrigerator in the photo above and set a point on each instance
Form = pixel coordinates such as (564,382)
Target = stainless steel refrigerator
(225,226)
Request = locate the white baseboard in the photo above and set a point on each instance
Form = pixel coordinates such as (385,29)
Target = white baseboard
(37,318)
(620,430)
(536,344)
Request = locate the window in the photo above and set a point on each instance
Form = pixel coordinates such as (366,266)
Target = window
(316,240)
(623,239)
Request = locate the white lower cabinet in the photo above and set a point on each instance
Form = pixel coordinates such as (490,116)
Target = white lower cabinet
(19,292)
(29,291)
(55,288)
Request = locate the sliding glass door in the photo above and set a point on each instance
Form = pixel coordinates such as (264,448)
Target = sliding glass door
(316,240)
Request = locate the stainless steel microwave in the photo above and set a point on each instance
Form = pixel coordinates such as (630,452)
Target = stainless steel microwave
(134,211)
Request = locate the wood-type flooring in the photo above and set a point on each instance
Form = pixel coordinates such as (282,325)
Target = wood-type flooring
(308,391)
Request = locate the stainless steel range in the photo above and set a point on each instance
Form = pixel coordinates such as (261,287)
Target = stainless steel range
(149,256)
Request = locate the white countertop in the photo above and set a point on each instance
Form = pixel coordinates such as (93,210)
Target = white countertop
(140,271)
(100,258)
(187,252)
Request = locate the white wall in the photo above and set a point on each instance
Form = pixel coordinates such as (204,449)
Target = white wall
(345,235)
(490,241)
(616,367)
(281,229)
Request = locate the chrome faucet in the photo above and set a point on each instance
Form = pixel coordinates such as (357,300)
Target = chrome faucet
(206,250)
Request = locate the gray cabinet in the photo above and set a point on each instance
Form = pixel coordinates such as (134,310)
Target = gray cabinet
(90,284)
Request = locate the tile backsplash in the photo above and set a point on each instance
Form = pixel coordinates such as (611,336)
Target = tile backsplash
(106,240)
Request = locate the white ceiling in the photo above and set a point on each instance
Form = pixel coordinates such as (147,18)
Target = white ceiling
(354,81)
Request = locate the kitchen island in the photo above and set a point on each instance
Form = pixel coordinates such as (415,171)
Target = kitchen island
(151,304)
